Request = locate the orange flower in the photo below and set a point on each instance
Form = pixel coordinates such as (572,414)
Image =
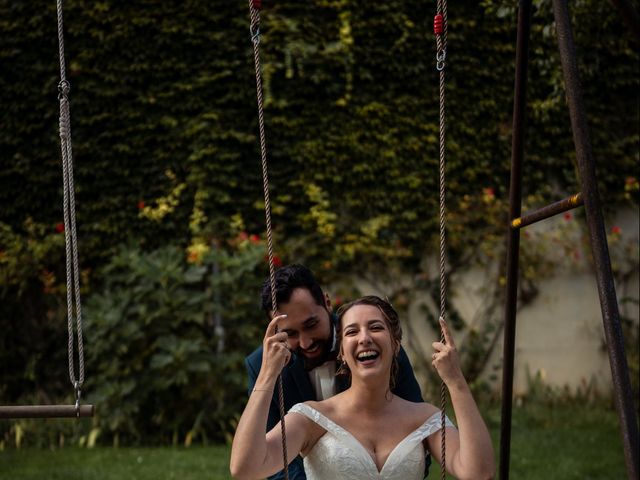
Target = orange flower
(488,194)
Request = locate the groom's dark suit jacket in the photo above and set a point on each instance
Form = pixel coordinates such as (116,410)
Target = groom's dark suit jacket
(297,388)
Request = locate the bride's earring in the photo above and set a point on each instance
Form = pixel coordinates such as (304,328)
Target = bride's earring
(342,367)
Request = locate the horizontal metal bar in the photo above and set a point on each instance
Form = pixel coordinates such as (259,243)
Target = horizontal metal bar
(46,411)
(548,211)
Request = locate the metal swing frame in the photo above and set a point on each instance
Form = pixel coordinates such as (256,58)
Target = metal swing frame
(588,197)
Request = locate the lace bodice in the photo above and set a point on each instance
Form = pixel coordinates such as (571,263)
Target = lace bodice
(339,455)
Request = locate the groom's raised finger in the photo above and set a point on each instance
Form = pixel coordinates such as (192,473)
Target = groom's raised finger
(272,328)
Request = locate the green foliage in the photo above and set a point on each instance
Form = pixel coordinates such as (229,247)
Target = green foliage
(32,296)
(168,339)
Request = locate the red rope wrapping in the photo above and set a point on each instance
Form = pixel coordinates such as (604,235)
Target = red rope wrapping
(438,24)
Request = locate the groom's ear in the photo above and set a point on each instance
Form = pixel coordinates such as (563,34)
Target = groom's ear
(327,301)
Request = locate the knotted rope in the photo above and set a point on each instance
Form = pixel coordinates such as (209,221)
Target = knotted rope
(70,234)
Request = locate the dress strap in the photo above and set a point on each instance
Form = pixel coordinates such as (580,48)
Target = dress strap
(317,417)
(433,424)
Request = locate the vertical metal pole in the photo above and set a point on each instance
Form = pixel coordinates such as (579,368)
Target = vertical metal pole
(600,251)
(513,240)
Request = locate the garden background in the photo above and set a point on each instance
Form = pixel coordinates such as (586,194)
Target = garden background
(168,186)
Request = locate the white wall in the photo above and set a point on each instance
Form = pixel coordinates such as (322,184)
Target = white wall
(559,334)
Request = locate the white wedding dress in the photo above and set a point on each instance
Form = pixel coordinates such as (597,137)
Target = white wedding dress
(339,455)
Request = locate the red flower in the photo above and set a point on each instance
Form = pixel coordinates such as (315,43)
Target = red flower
(141,205)
(277,262)
(59,227)
(242,236)
(616,230)
(254,239)
(568,216)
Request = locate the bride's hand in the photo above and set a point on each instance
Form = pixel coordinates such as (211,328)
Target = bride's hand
(445,359)
(275,350)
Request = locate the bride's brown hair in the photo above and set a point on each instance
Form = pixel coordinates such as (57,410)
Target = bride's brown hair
(393,323)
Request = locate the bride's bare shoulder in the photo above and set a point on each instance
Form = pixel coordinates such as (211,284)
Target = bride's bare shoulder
(329,407)
(418,410)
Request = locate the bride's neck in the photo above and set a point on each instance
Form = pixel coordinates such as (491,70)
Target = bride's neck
(369,396)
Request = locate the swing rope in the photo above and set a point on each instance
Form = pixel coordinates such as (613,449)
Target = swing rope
(254,13)
(70,234)
(440,31)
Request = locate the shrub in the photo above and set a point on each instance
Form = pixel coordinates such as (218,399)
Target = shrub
(167,338)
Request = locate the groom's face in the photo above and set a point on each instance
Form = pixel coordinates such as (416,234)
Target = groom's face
(308,325)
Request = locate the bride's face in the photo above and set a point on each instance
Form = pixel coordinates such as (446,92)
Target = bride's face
(367,345)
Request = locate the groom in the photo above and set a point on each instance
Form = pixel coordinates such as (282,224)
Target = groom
(311,373)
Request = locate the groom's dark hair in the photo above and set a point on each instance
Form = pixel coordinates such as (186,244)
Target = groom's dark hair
(287,279)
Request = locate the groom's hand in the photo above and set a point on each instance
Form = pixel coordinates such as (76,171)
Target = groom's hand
(275,350)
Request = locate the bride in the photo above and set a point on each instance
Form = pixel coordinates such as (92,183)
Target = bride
(365,432)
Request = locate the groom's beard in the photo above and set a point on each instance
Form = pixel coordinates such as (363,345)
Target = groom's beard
(312,362)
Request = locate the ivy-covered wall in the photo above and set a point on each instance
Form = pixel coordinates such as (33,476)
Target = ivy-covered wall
(351,110)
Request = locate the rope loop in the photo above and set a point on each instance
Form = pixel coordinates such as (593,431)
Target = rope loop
(64,87)
(441,57)
(76,385)
(255,34)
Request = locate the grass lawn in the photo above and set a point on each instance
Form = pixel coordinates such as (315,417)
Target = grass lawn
(572,442)
(161,463)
